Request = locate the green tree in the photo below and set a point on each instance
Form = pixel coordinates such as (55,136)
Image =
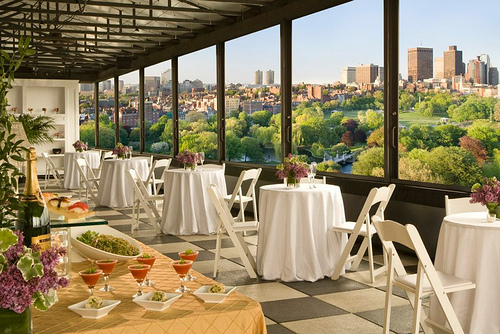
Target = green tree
(418,136)
(236,126)
(234,149)
(369,161)
(374,120)
(328,166)
(406,100)
(195,116)
(416,170)
(449,135)
(251,149)
(376,138)
(87,133)
(261,118)
(486,132)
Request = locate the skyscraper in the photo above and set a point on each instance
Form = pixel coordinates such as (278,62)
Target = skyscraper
(493,75)
(420,64)
(486,60)
(166,76)
(439,68)
(476,71)
(258,77)
(366,73)
(453,64)
(348,75)
(269,77)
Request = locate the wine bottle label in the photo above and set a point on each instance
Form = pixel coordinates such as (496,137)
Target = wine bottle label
(42,240)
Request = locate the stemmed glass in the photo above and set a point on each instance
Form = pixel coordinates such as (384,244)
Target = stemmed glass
(90,277)
(149,260)
(201,157)
(182,268)
(107,267)
(189,255)
(139,271)
(311,173)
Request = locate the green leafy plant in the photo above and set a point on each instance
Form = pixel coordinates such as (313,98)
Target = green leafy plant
(37,128)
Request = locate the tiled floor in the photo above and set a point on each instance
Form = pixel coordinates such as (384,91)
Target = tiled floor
(348,305)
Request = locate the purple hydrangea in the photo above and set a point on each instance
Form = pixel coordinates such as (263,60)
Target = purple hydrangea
(292,167)
(487,194)
(187,157)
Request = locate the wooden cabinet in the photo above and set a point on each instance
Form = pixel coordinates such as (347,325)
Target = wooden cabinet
(55,98)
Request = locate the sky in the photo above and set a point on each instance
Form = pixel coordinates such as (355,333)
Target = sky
(349,35)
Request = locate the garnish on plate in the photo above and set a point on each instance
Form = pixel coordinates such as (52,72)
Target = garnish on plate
(147,256)
(94,302)
(90,271)
(158,296)
(217,288)
(189,251)
(182,261)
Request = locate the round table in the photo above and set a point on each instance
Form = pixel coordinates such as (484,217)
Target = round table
(294,243)
(469,247)
(71,175)
(115,190)
(187,208)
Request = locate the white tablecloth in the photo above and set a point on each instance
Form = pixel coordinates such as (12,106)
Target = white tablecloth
(469,247)
(115,189)
(294,243)
(187,208)
(71,175)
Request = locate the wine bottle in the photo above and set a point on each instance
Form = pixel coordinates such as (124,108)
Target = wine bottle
(33,218)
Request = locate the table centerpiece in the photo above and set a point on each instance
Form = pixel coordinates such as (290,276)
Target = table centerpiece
(188,159)
(80,146)
(292,170)
(27,277)
(488,194)
(121,151)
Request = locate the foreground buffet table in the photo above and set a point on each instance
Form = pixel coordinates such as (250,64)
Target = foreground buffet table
(188,314)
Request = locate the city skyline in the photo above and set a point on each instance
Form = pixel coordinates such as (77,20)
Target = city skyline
(321,47)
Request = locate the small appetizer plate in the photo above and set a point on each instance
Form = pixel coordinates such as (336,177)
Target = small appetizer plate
(156,306)
(94,313)
(209,297)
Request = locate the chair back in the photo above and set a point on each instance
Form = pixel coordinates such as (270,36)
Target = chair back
(50,162)
(316,180)
(220,206)
(85,171)
(141,193)
(246,175)
(380,196)
(459,205)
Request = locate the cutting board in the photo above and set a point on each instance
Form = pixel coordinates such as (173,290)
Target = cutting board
(70,215)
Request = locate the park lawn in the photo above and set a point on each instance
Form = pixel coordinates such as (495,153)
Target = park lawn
(409,118)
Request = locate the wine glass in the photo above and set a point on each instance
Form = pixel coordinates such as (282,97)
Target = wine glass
(139,271)
(107,267)
(90,277)
(149,260)
(311,173)
(202,158)
(189,255)
(182,268)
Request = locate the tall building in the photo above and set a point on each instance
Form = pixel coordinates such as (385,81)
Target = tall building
(258,77)
(420,64)
(269,77)
(151,83)
(380,74)
(86,87)
(366,73)
(166,76)
(107,85)
(476,71)
(486,60)
(348,75)
(439,68)
(315,92)
(493,75)
(453,64)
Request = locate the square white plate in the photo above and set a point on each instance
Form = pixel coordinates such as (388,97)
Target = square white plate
(209,297)
(94,313)
(156,306)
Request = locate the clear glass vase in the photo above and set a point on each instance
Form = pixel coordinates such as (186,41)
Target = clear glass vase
(292,182)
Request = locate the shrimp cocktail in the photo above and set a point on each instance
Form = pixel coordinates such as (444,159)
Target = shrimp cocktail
(139,271)
(182,268)
(149,260)
(107,267)
(90,277)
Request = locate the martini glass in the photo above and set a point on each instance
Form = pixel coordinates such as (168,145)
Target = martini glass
(189,255)
(139,271)
(90,277)
(107,267)
(149,260)
(182,268)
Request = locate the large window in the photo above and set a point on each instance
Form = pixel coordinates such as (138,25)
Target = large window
(128,110)
(252,98)
(158,108)
(106,114)
(338,98)
(87,114)
(448,113)
(197,98)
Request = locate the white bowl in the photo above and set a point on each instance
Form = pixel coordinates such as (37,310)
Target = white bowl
(209,297)
(97,254)
(156,306)
(94,313)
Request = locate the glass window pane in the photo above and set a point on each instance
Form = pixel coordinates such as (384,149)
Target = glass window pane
(197,96)
(158,108)
(252,98)
(128,103)
(87,114)
(106,114)
(338,107)
(448,113)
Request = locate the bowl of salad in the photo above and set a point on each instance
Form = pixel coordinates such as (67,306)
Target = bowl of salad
(104,242)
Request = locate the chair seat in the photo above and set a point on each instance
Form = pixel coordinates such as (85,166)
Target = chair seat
(450,283)
(246,226)
(348,227)
(244,199)
(154,197)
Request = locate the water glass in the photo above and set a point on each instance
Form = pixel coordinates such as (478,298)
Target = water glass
(202,158)
(311,174)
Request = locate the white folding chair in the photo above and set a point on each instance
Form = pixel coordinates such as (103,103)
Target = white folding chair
(144,200)
(51,169)
(87,179)
(363,227)
(104,156)
(459,205)
(237,196)
(215,166)
(234,230)
(425,282)
(316,180)
(158,167)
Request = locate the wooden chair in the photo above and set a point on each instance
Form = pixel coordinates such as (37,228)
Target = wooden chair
(144,200)
(363,227)
(425,282)
(459,205)
(51,169)
(87,179)
(234,230)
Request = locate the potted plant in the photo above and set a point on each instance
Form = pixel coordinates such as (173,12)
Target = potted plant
(37,128)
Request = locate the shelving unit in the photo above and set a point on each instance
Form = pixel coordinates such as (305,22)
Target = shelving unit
(55,98)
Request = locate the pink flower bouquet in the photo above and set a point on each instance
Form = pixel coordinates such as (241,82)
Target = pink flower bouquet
(292,169)
(80,146)
(121,151)
(488,193)
(188,159)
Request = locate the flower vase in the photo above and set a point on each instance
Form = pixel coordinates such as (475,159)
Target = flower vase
(12,322)
(121,156)
(292,182)
(189,167)
(79,150)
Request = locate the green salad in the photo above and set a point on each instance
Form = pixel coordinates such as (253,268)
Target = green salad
(108,243)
